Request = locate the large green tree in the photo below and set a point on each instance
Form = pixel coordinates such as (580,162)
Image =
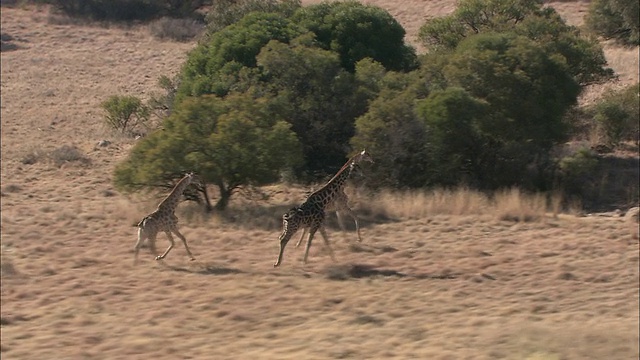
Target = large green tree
(227,60)
(228,142)
(357,31)
(495,111)
(307,86)
(303,65)
(543,25)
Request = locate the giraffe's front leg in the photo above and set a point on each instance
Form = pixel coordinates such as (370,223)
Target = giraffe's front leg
(284,239)
(184,241)
(160,257)
(326,242)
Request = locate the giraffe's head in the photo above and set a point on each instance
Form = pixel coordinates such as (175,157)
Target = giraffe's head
(362,156)
(193,178)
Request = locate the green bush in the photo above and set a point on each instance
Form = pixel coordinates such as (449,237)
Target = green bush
(617,116)
(125,113)
(228,57)
(615,19)
(162,104)
(575,171)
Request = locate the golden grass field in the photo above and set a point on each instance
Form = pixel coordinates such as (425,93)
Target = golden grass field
(438,276)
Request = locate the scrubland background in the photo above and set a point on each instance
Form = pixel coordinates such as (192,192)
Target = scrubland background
(439,275)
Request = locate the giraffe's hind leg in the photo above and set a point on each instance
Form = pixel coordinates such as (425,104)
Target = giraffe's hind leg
(148,233)
(304,232)
(353,216)
(326,242)
(312,232)
(141,237)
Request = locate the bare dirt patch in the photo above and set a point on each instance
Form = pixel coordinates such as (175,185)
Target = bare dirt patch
(435,286)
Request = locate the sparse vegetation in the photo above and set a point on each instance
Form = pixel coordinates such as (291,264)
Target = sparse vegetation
(127,10)
(58,156)
(441,274)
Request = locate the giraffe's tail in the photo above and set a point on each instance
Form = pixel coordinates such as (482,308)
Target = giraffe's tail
(141,223)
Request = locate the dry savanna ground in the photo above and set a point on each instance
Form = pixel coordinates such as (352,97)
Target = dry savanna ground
(438,276)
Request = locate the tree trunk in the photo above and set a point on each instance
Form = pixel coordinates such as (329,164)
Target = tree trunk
(225,196)
(207,204)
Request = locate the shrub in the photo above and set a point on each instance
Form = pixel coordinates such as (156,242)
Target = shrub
(617,116)
(176,29)
(615,19)
(575,170)
(125,113)
(162,104)
(357,31)
(66,154)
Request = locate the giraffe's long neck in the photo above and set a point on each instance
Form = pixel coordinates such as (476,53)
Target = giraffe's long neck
(325,194)
(171,201)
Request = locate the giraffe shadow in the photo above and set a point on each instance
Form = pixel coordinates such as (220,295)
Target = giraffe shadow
(359,271)
(205,269)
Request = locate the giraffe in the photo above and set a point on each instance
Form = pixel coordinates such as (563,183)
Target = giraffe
(164,219)
(340,205)
(311,214)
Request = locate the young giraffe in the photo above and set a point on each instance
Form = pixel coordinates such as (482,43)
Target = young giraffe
(311,213)
(164,219)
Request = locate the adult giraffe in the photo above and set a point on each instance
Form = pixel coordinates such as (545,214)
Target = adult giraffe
(311,213)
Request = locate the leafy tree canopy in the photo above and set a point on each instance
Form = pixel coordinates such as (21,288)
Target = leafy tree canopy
(497,107)
(229,142)
(226,12)
(584,57)
(308,87)
(357,31)
(220,64)
(527,89)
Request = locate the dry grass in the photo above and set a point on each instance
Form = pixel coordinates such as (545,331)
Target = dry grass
(440,275)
